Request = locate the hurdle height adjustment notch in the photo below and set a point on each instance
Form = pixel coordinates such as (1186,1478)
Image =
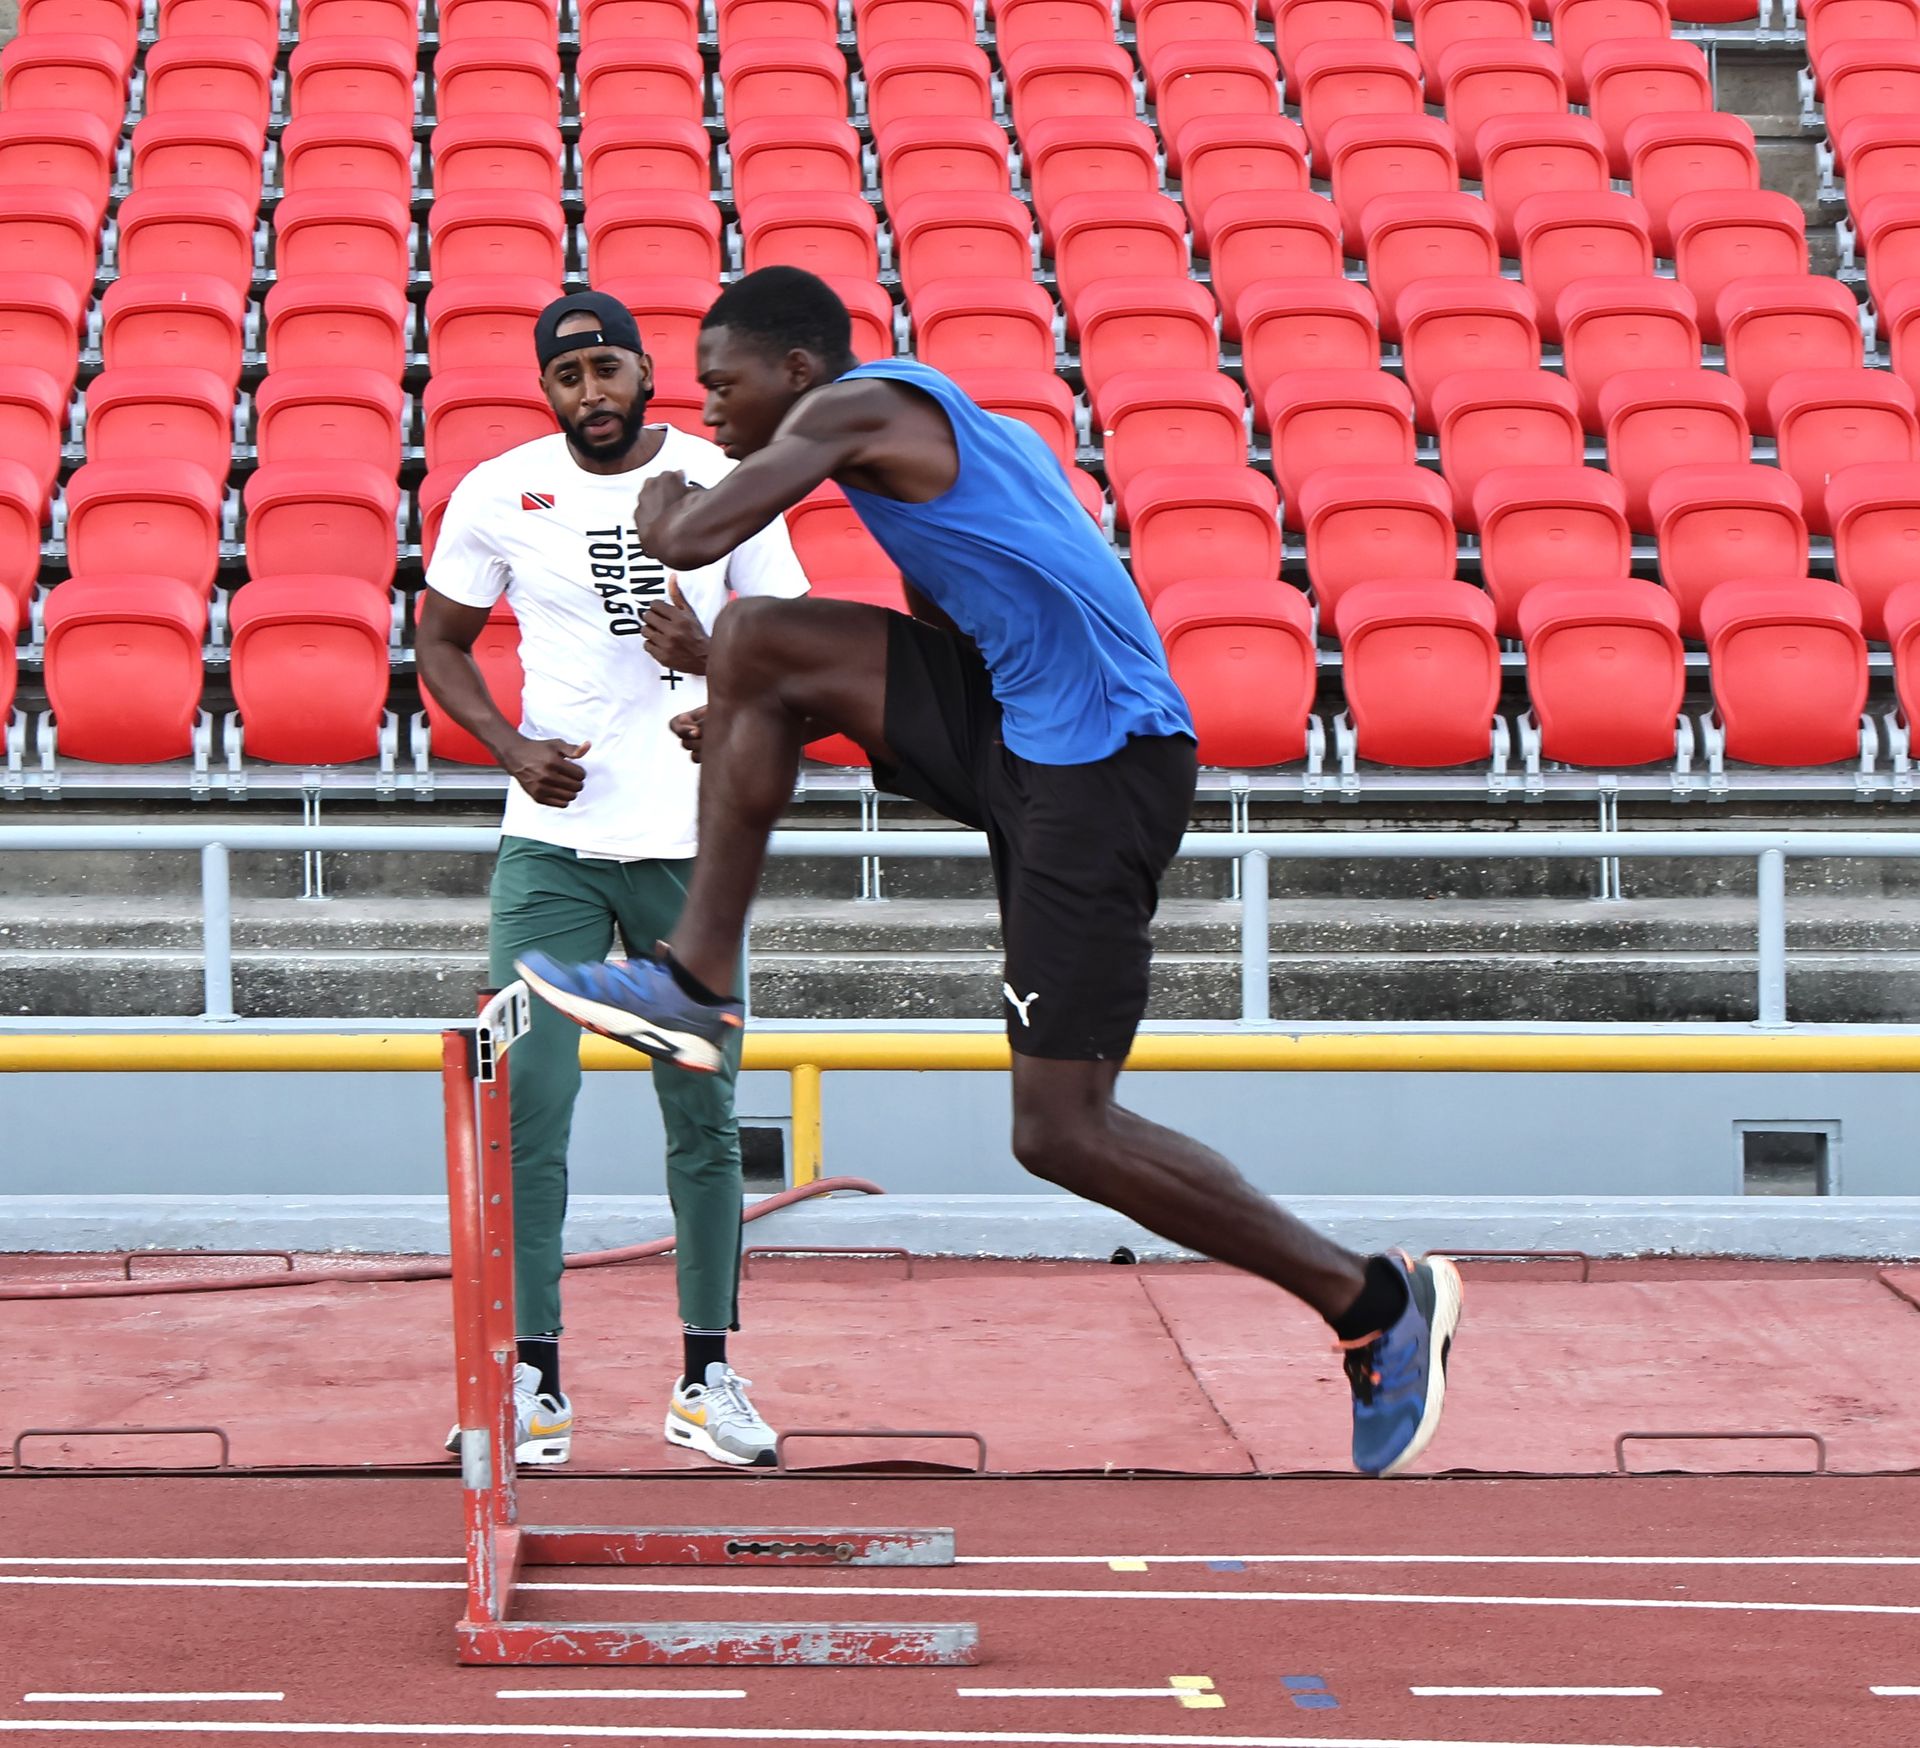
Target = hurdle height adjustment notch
(498,1545)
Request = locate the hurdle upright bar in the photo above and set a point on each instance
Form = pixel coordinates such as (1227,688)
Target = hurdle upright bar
(498,1545)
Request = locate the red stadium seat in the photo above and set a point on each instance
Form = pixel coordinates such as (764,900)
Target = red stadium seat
(830,540)
(434,492)
(1714,11)
(1164,323)
(959,323)
(173,318)
(1238,154)
(1300,24)
(1421,668)
(1242,651)
(123,667)
(941,154)
(873,317)
(1605,671)
(323,415)
(1487,419)
(464,20)
(188,230)
(939,237)
(21,499)
(1304,324)
(1829,420)
(12,611)
(1789,670)
(509,234)
(1863,79)
(473,415)
(1719,237)
(1829,23)
(55,229)
(88,73)
(1463,324)
(161,413)
(670,233)
(1545,524)
(491,75)
(885,21)
(1152,418)
(1485,80)
(338,319)
(389,18)
(1333,80)
(1165,24)
(342,230)
(827,234)
(1612,325)
(1020,22)
(1688,153)
(908,80)
(1717,524)
(72,148)
(1900,328)
(1875,511)
(1087,489)
(338,514)
(630,153)
(1371,155)
(782,76)
(1657,419)
(1201,522)
(1439,24)
(310,668)
(484,324)
(345,75)
(360,152)
(794,154)
(1047,79)
(496,652)
(33,416)
(1037,398)
(1365,524)
(670,313)
(639,76)
(1632,78)
(1889,234)
(1113,236)
(1579,25)
(256,20)
(1270,236)
(1335,418)
(1903,621)
(189,150)
(1565,238)
(1771,326)
(744,21)
(116,20)
(1089,154)
(1411,237)
(1539,153)
(679,400)
(1202,80)
(481,154)
(154,512)
(1878,154)
(40,318)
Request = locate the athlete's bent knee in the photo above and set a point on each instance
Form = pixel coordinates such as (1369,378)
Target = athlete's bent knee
(1066,1152)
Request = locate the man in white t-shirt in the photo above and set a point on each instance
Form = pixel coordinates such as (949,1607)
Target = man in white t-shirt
(599,832)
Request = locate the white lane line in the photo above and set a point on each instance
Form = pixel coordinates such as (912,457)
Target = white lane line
(1387,1598)
(671,1733)
(1896,1692)
(142,1699)
(621,1693)
(1534,1692)
(153,1560)
(1072,1692)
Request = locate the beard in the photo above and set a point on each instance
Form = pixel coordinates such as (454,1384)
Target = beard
(609,448)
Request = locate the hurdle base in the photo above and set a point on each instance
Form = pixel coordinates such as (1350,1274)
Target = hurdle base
(593,1545)
(842,1644)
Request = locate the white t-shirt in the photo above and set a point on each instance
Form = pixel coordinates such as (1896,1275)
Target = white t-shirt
(558,542)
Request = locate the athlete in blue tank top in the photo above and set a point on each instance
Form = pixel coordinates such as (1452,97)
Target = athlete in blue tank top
(1024,694)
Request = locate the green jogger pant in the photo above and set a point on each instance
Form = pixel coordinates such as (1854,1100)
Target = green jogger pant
(547,897)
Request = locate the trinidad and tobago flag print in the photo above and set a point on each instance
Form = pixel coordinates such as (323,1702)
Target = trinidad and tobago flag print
(536,500)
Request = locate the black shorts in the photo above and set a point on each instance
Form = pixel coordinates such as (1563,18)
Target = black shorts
(1078,850)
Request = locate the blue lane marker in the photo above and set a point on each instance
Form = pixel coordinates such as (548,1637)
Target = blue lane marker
(1226,1565)
(1309,1693)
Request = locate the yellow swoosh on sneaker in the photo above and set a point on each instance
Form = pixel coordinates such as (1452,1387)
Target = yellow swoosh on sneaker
(538,1428)
(696,1416)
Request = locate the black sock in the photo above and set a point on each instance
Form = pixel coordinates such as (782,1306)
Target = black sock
(690,985)
(702,1348)
(1381,1301)
(542,1352)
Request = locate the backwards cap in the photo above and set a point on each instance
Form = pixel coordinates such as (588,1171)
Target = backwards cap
(615,326)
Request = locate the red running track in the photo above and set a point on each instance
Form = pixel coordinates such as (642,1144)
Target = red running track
(1763,1610)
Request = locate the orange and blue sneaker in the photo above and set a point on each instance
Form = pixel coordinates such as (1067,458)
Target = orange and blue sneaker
(636,1002)
(1399,1374)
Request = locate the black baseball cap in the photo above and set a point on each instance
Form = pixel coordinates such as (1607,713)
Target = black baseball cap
(616,326)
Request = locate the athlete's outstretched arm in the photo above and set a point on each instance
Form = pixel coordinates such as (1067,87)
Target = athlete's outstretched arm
(824,432)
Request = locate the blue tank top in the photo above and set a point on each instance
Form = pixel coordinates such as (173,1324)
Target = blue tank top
(1009,555)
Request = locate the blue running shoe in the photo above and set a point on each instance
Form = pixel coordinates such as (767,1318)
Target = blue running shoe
(637,1002)
(1399,1376)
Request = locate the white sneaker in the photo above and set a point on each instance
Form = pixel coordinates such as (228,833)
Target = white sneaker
(716,1419)
(542,1425)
